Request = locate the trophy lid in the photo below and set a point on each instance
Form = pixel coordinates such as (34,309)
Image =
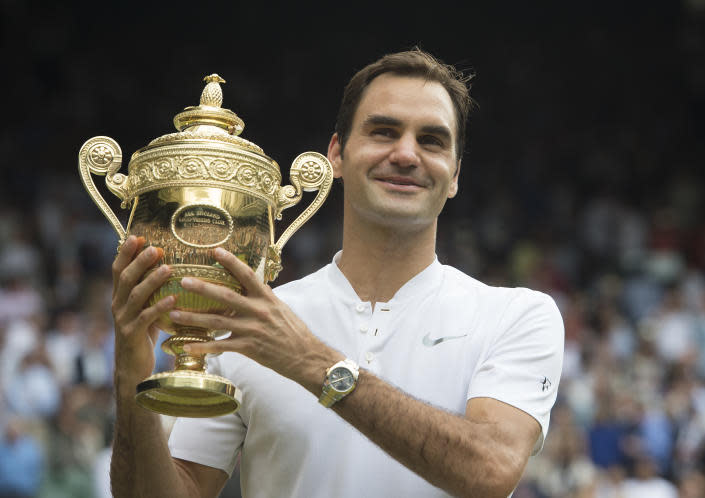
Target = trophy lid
(205,152)
(208,121)
(210,112)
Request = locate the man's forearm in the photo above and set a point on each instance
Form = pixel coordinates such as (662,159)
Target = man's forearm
(141,464)
(462,457)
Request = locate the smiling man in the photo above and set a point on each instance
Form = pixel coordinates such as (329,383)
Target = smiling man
(383,374)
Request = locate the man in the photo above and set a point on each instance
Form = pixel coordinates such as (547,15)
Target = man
(456,378)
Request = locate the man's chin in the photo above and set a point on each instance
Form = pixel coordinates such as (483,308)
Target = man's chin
(399,219)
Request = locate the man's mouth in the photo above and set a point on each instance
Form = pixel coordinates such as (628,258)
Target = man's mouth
(401,181)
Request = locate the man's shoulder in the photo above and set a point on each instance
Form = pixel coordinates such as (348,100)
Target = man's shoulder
(460,284)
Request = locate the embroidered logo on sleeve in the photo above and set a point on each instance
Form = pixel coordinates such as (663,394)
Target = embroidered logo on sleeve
(429,343)
(545,384)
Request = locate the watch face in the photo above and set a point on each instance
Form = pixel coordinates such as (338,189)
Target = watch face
(341,379)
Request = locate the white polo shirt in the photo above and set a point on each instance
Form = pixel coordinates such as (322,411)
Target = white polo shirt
(443,338)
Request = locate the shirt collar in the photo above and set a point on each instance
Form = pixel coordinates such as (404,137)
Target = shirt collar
(423,283)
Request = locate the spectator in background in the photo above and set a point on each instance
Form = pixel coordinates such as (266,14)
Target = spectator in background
(33,392)
(64,345)
(95,361)
(21,462)
(646,483)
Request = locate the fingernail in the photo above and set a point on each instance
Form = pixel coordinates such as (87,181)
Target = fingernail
(186,281)
(219,251)
(174,315)
(164,269)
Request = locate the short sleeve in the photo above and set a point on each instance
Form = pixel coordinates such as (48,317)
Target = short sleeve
(522,365)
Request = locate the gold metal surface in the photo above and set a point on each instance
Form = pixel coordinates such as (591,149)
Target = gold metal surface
(189,192)
(207,395)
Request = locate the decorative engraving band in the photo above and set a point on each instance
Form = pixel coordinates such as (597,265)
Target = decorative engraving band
(203,164)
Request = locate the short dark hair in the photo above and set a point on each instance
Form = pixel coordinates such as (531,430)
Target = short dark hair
(412,63)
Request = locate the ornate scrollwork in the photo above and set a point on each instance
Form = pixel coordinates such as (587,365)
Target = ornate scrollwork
(100,156)
(267,182)
(163,169)
(311,168)
(319,173)
(192,167)
(247,175)
(220,169)
(184,165)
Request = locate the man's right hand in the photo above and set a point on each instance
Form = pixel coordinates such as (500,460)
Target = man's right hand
(135,323)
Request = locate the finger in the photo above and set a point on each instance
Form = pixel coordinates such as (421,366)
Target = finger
(140,293)
(206,347)
(203,320)
(129,277)
(240,271)
(212,346)
(124,256)
(220,293)
(150,315)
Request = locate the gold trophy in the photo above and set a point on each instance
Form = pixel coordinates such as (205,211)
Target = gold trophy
(189,192)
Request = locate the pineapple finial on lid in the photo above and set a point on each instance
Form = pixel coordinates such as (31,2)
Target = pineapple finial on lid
(209,113)
(212,94)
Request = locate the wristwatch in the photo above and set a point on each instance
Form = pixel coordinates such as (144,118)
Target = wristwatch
(340,381)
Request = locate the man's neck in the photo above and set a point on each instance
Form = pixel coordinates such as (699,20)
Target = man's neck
(378,261)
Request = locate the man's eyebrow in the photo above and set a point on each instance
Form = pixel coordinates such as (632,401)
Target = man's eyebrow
(380,119)
(438,130)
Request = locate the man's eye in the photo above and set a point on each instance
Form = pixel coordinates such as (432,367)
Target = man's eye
(430,140)
(383,132)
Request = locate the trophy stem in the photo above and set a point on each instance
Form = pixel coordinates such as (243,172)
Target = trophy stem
(188,391)
(175,346)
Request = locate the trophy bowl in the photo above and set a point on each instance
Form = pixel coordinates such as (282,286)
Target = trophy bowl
(188,193)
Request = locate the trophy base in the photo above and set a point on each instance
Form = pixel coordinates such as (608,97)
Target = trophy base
(185,393)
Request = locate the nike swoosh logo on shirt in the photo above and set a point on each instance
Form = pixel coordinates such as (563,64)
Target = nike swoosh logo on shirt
(429,343)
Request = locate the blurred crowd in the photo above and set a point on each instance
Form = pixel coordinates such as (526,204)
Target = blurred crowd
(577,183)
(630,284)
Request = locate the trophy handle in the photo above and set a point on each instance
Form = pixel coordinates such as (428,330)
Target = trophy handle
(101,155)
(309,172)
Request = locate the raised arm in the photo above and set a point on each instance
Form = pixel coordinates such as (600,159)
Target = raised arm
(141,465)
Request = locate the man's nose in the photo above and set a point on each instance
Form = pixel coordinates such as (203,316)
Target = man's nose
(405,152)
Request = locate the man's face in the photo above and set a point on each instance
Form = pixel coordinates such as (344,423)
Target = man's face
(400,161)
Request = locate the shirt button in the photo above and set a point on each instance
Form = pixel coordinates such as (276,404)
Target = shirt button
(360,307)
(363,328)
(369,356)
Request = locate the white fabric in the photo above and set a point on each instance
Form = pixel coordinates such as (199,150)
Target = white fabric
(510,348)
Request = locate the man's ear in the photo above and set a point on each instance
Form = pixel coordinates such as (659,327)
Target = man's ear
(335,155)
(453,187)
